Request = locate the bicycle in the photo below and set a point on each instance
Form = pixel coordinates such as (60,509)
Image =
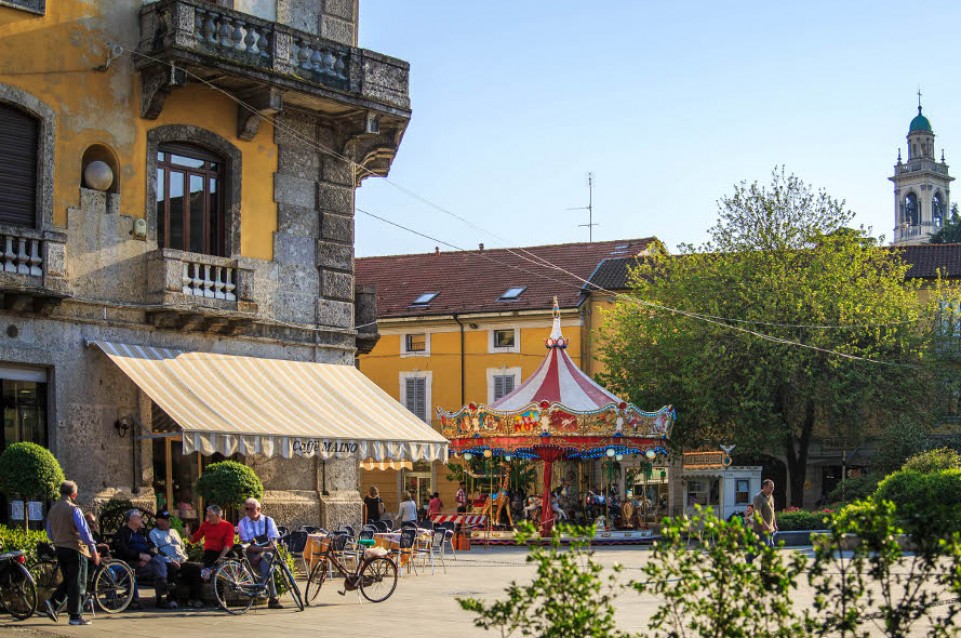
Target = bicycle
(18,590)
(375,575)
(235,586)
(110,584)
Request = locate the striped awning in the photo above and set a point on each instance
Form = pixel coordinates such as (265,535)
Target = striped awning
(230,404)
(371,464)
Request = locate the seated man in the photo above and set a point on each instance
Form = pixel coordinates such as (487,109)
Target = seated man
(102,547)
(171,548)
(134,548)
(257,529)
(218,536)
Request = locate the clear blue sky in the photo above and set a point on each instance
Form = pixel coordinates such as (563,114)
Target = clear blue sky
(669,104)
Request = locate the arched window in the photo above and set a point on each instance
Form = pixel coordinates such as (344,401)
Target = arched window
(190,202)
(937,210)
(20,141)
(910,215)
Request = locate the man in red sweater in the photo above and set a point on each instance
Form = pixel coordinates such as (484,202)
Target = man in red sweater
(218,536)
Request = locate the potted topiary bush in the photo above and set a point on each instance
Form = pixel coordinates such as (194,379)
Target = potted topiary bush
(29,471)
(229,484)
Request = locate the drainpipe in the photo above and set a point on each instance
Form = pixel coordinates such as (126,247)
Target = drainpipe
(462,381)
(135,442)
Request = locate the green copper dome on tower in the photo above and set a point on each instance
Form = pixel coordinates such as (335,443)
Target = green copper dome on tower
(920,123)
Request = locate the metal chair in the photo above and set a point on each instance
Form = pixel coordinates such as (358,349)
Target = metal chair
(381,526)
(448,541)
(408,524)
(408,537)
(296,543)
(434,550)
(312,530)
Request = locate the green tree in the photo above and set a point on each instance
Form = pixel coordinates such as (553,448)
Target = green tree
(781,268)
(30,471)
(950,233)
(229,484)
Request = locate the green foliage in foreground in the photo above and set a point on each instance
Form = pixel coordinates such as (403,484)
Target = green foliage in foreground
(713,590)
(568,597)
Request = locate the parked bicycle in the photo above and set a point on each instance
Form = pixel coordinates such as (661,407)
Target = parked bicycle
(18,591)
(375,574)
(110,584)
(236,587)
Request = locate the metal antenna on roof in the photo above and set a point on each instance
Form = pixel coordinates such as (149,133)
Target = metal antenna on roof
(589,208)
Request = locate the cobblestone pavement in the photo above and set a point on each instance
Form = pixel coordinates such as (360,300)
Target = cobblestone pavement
(422,605)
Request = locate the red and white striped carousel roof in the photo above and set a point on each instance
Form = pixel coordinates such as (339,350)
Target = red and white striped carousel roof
(558,380)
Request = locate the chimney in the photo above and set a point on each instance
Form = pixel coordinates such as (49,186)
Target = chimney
(480,247)
(436,250)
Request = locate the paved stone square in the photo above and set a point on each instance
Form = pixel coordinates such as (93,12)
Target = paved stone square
(422,605)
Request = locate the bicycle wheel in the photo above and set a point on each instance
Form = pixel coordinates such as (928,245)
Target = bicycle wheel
(292,587)
(18,592)
(378,579)
(47,576)
(113,586)
(318,574)
(232,582)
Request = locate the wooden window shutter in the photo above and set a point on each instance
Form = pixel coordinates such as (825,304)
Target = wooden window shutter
(416,399)
(508,384)
(19,141)
(498,387)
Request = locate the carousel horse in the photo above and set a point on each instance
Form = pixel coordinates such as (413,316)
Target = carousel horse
(501,499)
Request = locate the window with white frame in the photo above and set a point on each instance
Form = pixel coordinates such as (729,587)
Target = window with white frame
(504,340)
(501,382)
(415,344)
(415,393)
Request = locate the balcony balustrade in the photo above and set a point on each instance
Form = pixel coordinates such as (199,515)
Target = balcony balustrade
(199,292)
(31,269)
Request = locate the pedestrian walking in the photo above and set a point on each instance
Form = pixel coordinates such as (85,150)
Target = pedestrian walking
(67,528)
(764,521)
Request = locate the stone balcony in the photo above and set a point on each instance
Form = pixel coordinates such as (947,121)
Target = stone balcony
(189,291)
(32,269)
(267,65)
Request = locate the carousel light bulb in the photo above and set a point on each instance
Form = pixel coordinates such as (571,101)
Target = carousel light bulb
(610,451)
(620,422)
(468,456)
(488,454)
(650,454)
(507,457)
(618,457)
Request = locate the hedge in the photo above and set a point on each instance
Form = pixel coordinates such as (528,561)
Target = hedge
(794,519)
(928,504)
(18,538)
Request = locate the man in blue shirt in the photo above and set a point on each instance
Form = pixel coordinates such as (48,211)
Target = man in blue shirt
(74,544)
(262,533)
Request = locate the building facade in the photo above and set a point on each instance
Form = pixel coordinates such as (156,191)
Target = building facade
(922,186)
(180,175)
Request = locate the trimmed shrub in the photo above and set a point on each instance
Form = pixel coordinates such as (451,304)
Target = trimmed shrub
(928,505)
(30,471)
(229,484)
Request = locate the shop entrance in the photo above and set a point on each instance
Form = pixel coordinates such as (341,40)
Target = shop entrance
(419,483)
(24,399)
(175,478)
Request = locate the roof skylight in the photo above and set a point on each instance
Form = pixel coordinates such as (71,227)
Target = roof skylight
(425,299)
(512,293)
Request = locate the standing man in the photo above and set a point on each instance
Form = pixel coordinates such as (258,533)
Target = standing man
(261,532)
(764,521)
(461,498)
(68,530)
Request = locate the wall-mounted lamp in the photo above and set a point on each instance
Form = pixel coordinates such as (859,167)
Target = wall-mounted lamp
(472,326)
(122,425)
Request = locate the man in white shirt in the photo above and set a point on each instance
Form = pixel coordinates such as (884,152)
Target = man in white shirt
(256,529)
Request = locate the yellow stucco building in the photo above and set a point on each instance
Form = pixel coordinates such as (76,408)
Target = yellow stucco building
(470,327)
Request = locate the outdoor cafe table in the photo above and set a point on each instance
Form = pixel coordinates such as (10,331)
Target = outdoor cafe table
(391,542)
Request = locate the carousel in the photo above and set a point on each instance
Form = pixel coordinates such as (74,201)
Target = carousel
(558,414)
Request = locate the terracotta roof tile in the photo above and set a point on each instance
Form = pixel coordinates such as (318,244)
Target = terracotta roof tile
(472,281)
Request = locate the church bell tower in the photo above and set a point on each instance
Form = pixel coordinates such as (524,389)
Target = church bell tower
(922,194)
